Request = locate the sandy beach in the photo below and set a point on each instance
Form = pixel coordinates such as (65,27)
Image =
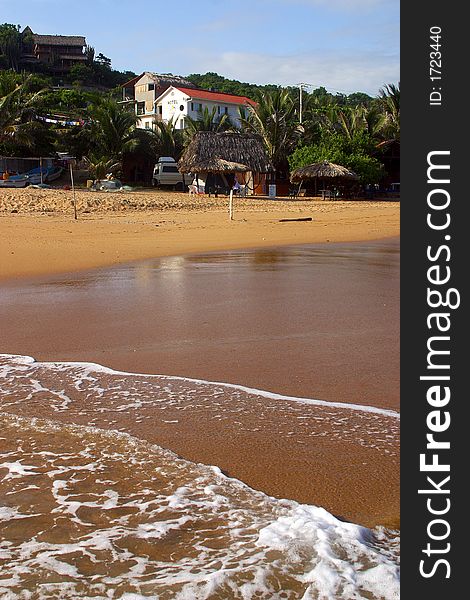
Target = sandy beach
(40,238)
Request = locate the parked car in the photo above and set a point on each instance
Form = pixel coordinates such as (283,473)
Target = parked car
(166,172)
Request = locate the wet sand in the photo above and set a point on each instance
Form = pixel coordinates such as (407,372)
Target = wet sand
(337,340)
(318,322)
(313,321)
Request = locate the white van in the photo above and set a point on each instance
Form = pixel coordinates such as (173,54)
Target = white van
(166,172)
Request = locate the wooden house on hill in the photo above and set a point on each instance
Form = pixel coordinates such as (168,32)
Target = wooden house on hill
(59,52)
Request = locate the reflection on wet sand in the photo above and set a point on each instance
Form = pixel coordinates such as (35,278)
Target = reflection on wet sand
(317,321)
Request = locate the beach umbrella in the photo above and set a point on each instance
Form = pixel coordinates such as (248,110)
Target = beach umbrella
(323,170)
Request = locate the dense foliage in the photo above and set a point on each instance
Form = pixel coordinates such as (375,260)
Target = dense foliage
(81,114)
(213,81)
(355,154)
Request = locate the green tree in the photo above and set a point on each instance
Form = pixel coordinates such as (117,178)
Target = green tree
(274,118)
(81,73)
(352,153)
(166,140)
(358,98)
(213,81)
(103,60)
(90,55)
(99,166)
(207,120)
(73,102)
(112,129)
(389,102)
(76,140)
(18,107)
(10,45)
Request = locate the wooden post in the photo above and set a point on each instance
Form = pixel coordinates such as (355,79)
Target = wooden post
(73,192)
(231,205)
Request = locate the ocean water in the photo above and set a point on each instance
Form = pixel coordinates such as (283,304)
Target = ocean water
(90,509)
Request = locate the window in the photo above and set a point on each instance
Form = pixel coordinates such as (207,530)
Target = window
(170,169)
(181,107)
(226,110)
(140,108)
(151,87)
(192,105)
(147,125)
(160,109)
(218,110)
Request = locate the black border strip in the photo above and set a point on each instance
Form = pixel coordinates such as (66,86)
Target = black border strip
(433,120)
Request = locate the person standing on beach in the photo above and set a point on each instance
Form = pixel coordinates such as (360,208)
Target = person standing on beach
(236,185)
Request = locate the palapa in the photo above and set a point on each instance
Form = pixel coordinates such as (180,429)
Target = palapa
(322,170)
(225,152)
(218,165)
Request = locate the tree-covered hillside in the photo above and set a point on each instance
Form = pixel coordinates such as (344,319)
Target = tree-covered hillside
(213,81)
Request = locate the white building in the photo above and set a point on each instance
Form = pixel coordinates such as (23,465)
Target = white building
(177,103)
(166,97)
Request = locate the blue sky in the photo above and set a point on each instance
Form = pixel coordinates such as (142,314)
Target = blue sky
(343,45)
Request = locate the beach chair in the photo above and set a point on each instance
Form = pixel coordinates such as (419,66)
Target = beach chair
(193,189)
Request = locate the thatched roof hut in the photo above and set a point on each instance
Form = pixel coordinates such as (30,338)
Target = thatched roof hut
(322,170)
(224,152)
(218,165)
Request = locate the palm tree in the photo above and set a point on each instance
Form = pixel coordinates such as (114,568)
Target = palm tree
(100,166)
(17,109)
(319,115)
(351,121)
(274,118)
(112,129)
(374,121)
(166,140)
(389,101)
(207,121)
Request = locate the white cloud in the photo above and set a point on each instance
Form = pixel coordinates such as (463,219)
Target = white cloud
(338,72)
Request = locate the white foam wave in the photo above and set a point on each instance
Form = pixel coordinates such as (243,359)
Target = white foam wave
(121,518)
(95,367)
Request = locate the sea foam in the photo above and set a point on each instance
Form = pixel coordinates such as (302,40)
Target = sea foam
(98,513)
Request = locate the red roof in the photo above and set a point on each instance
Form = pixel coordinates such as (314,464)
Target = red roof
(215,96)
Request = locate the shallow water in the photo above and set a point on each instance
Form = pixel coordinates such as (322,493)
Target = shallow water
(90,512)
(92,506)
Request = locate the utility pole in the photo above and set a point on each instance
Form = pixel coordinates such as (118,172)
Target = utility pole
(301,87)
